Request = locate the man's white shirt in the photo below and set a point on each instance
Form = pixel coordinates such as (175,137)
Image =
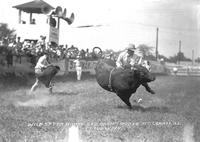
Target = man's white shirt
(124,59)
(42,63)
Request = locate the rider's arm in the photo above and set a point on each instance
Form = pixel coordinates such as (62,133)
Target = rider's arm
(119,61)
(140,60)
(139,57)
(42,62)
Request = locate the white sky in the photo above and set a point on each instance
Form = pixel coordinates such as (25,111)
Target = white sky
(125,21)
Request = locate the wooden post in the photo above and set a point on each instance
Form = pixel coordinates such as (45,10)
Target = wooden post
(20,16)
(31,18)
(157,29)
(179,58)
(58,26)
(193,57)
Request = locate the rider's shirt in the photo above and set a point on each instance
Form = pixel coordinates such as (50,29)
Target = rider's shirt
(42,63)
(125,59)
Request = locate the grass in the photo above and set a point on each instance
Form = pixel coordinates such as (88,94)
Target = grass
(100,115)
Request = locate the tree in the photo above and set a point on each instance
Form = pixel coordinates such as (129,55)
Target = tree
(197,60)
(179,57)
(145,50)
(6,33)
(163,57)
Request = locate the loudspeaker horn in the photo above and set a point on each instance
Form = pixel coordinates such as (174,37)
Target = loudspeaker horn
(70,20)
(59,11)
(64,13)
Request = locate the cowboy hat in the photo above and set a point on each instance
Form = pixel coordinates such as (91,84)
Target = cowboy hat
(131,47)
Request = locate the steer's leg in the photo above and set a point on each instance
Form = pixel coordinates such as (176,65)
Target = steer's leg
(125,99)
(148,88)
(50,87)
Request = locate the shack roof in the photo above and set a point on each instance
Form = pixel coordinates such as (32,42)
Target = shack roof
(34,6)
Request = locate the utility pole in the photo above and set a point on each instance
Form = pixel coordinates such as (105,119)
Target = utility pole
(193,57)
(157,29)
(179,58)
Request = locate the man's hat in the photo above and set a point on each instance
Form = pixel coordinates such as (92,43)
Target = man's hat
(131,47)
(43,37)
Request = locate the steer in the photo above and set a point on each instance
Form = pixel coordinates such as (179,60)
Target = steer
(123,82)
(45,77)
(48,74)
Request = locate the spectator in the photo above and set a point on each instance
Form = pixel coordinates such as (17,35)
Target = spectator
(33,21)
(52,22)
(9,57)
(87,54)
(78,67)
(82,53)
(41,42)
(23,22)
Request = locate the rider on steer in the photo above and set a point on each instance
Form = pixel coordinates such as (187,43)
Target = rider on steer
(129,57)
(43,63)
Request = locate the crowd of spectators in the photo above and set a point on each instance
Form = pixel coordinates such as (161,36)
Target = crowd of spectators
(34,48)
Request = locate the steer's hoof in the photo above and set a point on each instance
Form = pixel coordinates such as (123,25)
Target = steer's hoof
(138,101)
(152,92)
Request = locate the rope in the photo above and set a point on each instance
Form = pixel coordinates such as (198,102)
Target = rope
(110,83)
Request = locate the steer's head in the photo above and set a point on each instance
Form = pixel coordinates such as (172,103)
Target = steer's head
(143,74)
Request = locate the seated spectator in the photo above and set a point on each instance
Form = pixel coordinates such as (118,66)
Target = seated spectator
(23,22)
(33,21)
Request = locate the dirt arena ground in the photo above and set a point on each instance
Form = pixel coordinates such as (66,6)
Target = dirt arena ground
(171,115)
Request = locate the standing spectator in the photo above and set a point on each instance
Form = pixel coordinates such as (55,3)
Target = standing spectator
(9,57)
(19,45)
(78,67)
(87,54)
(82,52)
(41,42)
(66,46)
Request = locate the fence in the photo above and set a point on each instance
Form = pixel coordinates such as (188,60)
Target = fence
(184,70)
(67,65)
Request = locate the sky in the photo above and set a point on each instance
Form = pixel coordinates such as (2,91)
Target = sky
(123,22)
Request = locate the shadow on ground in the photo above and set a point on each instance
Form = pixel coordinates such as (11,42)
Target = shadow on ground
(160,109)
(64,93)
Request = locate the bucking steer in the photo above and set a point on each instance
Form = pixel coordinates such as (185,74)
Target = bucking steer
(123,82)
(48,74)
(45,78)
